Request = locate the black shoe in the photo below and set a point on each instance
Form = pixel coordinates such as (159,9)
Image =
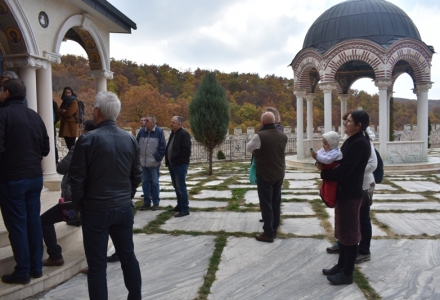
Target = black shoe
(14,278)
(181,214)
(263,238)
(175,209)
(76,223)
(145,207)
(36,275)
(155,207)
(261,220)
(333,271)
(340,278)
(113,258)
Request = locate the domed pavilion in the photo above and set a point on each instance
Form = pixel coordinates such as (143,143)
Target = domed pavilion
(363,39)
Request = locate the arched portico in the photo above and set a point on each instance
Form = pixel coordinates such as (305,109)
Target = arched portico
(30,45)
(336,62)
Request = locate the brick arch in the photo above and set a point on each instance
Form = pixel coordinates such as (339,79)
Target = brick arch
(301,68)
(362,50)
(411,52)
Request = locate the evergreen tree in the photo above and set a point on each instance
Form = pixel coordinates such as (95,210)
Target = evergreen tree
(209,114)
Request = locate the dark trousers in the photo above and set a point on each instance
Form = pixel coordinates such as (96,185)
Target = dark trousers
(347,258)
(97,225)
(178,177)
(269,194)
(70,141)
(48,219)
(366,231)
(20,206)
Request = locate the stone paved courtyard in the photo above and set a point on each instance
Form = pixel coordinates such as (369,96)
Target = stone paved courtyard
(212,253)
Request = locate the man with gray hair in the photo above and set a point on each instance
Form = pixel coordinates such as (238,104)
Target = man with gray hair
(6,75)
(268,147)
(177,156)
(104,174)
(152,150)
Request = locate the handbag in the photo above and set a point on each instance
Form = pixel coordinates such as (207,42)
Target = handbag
(253,172)
(70,214)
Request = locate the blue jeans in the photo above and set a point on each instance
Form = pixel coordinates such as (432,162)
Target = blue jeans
(97,225)
(20,206)
(150,184)
(178,177)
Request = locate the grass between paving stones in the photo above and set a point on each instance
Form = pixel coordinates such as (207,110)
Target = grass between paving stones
(237,199)
(205,289)
(364,286)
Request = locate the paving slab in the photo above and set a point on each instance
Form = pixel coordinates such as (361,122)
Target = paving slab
(296,209)
(216,221)
(404,269)
(165,178)
(418,186)
(411,197)
(412,223)
(179,264)
(285,269)
(196,203)
(224,177)
(198,170)
(206,194)
(436,196)
(302,226)
(300,197)
(384,187)
(242,186)
(302,184)
(285,191)
(405,206)
(251,197)
(143,217)
(376,231)
(192,182)
(213,183)
(302,176)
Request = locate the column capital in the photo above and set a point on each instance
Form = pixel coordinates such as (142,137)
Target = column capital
(52,57)
(383,83)
(310,96)
(423,86)
(327,86)
(19,61)
(343,97)
(100,73)
(300,93)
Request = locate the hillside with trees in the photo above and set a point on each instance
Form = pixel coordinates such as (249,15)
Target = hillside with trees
(165,91)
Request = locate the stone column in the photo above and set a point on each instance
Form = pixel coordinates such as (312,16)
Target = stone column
(343,98)
(299,124)
(26,66)
(28,75)
(384,115)
(45,110)
(422,115)
(309,97)
(101,77)
(327,88)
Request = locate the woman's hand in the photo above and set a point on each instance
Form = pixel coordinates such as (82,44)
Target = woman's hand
(319,166)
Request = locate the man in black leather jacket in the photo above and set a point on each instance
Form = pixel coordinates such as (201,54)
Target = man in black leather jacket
(104,174)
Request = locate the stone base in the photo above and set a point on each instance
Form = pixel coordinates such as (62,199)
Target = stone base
(53,183)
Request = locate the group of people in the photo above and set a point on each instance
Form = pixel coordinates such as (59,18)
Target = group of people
(348,185)
(101,174)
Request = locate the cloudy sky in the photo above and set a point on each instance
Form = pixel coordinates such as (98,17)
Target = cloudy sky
(247,36)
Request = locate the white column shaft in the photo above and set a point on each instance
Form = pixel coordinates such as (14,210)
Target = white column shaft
(299,127)
(327,110)
(422,121)
(383,122)
(100,84)
(309,119)
(28,76)
(45,110)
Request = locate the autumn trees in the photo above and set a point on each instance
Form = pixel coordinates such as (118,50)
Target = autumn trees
(209,115)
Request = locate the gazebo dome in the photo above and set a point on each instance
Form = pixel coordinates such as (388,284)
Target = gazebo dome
(376,20)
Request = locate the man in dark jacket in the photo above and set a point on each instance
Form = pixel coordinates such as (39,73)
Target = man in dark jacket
(23,143)
(177,156)
(104,174)
(268,147)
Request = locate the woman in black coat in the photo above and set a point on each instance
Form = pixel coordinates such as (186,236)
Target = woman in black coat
(349,175)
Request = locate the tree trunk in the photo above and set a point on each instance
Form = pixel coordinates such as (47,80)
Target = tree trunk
(210,161)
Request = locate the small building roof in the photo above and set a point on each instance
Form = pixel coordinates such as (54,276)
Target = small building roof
(377,20)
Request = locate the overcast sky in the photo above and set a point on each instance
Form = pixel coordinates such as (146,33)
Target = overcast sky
(247,36)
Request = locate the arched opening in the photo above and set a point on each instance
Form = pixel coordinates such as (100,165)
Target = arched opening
(403,87)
